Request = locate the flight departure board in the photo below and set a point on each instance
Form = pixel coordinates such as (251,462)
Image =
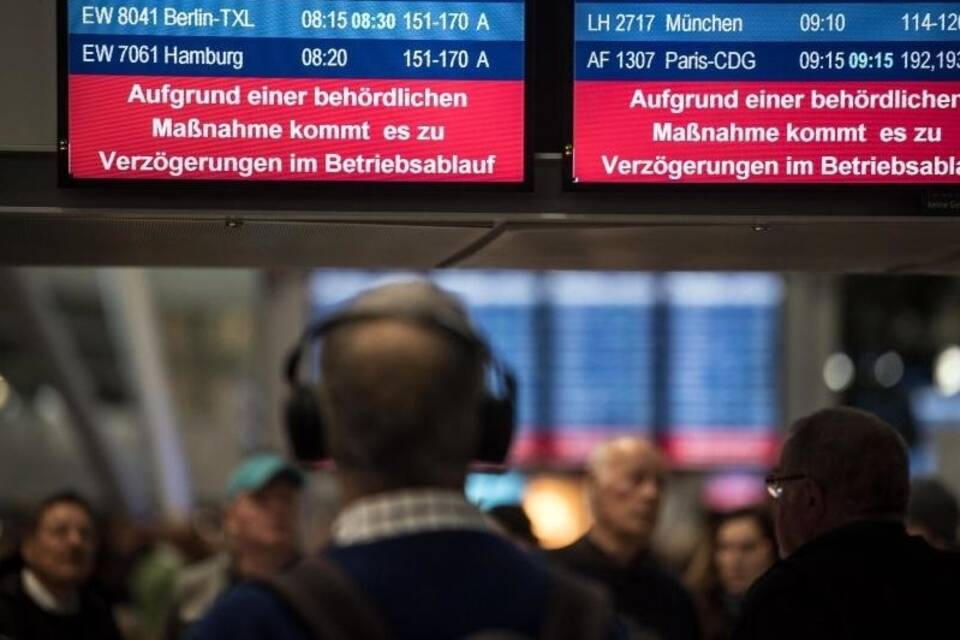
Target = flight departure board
(295,90)
(690,359)
(766,92)
(722,368)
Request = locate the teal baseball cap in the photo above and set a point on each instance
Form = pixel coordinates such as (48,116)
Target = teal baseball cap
(256,471)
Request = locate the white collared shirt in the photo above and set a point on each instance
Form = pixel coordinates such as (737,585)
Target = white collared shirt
(397,513)
(42,597)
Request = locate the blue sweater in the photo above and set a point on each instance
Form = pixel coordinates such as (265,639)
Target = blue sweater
(426,586)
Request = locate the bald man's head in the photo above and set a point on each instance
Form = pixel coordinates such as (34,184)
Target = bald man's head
(402,399)
(847,465)
(624,482)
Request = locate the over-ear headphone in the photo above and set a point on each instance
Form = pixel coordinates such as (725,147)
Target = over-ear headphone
(497,409)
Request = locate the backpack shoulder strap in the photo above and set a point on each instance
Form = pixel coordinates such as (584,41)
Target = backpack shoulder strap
(327,602)
(577,610)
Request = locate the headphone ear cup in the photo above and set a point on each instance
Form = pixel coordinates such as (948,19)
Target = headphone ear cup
(496,429)
(305,428)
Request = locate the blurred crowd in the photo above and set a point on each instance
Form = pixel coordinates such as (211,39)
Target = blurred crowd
(158,582)
(841,547)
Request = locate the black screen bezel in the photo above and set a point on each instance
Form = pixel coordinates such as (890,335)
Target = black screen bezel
(333,187)
(925,192)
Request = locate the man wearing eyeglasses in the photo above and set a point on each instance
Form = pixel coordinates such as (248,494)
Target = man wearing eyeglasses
(848,567)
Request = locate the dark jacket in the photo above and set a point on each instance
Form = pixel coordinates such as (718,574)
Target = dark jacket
(22,619)
(866,580)
(425,586)
(648,599)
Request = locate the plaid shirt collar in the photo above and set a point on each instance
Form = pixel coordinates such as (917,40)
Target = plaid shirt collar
(398,513)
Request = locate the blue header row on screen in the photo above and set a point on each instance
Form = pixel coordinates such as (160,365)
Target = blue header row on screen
(601,371)
(283,58)
(324,19)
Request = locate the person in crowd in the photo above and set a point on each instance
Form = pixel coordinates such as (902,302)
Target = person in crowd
(261,532)
(739,548)
(933,514)
(625,479)
(44,591)
(404,409)
(848,569)
(153,578)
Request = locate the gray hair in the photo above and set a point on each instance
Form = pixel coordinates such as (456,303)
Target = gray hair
(403,406)
(854,456)
(600,458)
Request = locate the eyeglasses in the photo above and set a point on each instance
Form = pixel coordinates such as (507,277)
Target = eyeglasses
(775,483)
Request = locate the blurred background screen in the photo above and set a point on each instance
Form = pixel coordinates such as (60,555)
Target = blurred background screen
(690,359)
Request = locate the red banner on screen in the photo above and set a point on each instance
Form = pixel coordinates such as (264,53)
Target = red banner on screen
(759,132)
(694,447)
(142,127)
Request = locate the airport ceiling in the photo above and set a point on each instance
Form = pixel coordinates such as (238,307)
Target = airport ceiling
(41,224)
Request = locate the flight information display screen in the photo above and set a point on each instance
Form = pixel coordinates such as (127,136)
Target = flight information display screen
(690,359)
(299,90)
(766,92)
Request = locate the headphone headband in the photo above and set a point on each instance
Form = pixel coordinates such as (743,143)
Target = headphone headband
(431,308)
